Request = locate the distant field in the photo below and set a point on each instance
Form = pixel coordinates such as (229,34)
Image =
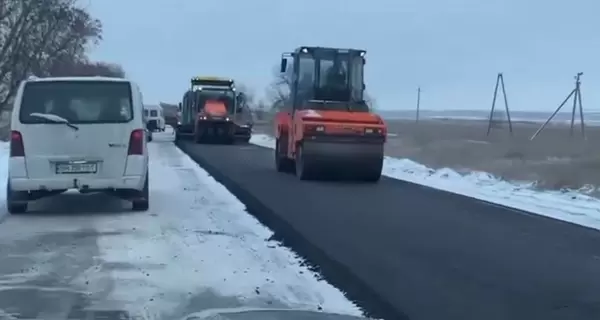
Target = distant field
(554,159)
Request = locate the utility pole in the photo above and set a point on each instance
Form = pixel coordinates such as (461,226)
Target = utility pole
(499,82)
(418,103)
(576,94)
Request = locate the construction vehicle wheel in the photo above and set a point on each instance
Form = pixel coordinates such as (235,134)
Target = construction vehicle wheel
(304,169)
(282,162)
(371,172)
(197,137)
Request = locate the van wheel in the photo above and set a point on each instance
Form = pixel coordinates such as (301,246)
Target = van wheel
(16,202)
(144,203)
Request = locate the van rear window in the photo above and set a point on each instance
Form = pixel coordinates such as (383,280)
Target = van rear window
(153,113)
(77,101)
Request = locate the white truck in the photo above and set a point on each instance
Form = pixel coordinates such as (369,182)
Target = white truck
(155,118)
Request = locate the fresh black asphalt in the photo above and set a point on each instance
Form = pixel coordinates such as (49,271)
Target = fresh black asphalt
(405,251)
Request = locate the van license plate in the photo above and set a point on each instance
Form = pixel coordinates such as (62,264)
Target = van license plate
(70,168)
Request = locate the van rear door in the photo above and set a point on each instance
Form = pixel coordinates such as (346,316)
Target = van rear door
(95,140)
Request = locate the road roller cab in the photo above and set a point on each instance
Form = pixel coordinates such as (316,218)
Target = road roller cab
(325,125)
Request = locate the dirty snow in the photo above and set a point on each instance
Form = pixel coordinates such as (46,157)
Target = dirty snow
(571,206)
(195,249)
(203,240)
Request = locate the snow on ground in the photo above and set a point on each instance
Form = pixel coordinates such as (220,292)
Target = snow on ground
(205,240)
(569,206)
(195,249)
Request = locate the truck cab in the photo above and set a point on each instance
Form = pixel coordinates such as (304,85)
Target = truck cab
(209,110)
(326,124)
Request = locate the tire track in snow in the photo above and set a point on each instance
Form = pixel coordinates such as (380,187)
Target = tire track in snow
(197,248)
(46,259)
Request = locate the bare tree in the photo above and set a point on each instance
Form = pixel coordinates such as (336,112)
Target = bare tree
(87,69)
(46,38)
(248,94)
(279,90)
(260,111)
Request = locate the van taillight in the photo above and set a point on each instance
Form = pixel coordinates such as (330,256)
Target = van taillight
(136,142)
(17,149)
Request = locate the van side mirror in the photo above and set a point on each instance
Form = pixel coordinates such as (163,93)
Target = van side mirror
(283,66)
(179,107)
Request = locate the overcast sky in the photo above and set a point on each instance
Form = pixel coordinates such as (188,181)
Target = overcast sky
(452,48)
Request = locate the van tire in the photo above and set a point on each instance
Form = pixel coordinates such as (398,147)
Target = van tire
(14,205)
(144,203)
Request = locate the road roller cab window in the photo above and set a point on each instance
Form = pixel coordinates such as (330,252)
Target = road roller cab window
(334,76)
(306,80)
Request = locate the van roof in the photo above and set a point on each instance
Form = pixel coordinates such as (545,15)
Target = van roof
(55,79)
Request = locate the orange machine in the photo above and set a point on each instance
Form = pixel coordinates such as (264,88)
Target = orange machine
(325,125)
(208,110)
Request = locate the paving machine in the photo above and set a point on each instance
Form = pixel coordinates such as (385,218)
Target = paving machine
(210,111)
(325,125)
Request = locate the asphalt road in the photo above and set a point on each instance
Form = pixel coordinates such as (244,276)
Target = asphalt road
(406,251)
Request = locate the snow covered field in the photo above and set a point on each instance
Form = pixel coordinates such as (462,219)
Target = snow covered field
(195,249)
(568,206)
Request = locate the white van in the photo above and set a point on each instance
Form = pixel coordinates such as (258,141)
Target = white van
(82,133)
(155,118)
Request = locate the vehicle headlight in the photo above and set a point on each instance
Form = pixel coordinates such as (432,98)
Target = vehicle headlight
(227,119)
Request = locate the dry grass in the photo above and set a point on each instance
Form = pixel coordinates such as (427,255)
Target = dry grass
(555,158)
